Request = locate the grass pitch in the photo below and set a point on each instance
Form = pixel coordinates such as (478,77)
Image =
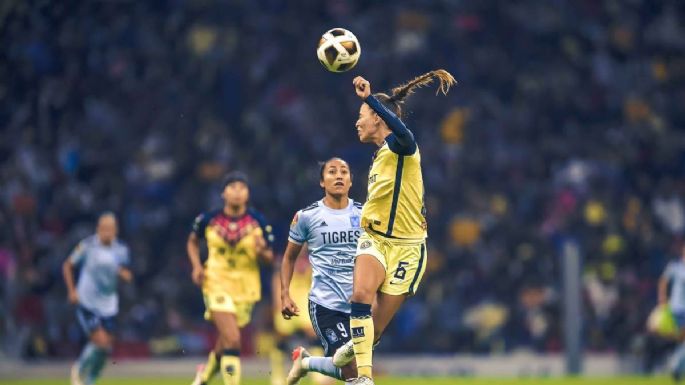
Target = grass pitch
(380,381)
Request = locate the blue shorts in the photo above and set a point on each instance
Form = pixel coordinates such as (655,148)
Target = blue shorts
(90,321)
(332,327)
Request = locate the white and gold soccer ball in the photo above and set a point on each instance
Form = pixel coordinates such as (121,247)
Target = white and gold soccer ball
(338,50)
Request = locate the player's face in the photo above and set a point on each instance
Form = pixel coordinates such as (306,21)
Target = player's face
(336,177)
(236,194)
(367,126)
(107,229)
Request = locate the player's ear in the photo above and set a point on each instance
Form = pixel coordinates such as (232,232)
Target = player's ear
(321,183)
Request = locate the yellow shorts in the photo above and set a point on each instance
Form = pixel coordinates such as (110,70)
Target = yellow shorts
(222,302)
(404,261)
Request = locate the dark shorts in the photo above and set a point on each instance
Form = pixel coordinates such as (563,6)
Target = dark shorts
(332,327)
(90,321)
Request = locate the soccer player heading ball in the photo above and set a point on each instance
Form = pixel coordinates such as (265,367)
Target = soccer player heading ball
(391,254)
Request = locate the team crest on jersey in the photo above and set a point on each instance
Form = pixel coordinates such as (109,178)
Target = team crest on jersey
(354,221)
(365,245)
(331,336)
(220,299)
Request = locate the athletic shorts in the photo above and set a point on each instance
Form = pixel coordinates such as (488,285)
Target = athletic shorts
(404,261)
(332,327)
(222,302)
(90,321)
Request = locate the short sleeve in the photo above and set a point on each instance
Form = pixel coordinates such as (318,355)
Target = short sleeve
(298,230)
(669,271)
(199,225)
(267,229)
(78,254)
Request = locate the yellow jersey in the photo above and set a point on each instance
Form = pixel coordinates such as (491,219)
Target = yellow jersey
(232,264)
(394,205)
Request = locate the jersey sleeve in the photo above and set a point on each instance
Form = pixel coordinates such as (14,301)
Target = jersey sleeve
(669,271)
(267,229)
(298,230)
(124,257)
(78,254)
(200,224)
(402,140)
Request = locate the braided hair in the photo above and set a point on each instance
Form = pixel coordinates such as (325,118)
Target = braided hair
(395,100)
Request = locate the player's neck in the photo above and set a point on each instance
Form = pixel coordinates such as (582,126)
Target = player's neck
(234,211)
(335,202)
(381,138)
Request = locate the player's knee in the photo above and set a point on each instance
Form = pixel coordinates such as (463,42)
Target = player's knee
(230,340)
(362,295)
(102,340)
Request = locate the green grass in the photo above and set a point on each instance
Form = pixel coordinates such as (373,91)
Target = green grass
(382,381)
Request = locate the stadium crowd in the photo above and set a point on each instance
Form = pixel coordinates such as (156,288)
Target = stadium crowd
(566,128)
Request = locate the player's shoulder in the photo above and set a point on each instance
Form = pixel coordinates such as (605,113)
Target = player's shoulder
(256,215)
(312,207)
(88,241)
(357,205)
(207,215)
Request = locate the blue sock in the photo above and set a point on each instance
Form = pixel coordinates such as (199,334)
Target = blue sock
(677,361)
(98,364)
(324,365)
(87,359)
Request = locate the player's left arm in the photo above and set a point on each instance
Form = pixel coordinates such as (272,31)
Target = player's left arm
(403,136)
(124,271)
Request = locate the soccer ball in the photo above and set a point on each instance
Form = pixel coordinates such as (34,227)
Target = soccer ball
(338,50)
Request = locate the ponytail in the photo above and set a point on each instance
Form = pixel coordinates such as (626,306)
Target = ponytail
(399,94)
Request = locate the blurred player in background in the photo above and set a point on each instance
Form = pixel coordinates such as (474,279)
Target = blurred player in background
(391,254)
(102,260)
(675,274)
(287,330)
(238,238)
(330,228)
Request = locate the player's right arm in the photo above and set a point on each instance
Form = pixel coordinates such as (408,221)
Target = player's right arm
(288,306)
(193,248)
(73,259)
(663,286)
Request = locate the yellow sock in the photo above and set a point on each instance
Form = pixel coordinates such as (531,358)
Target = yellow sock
(211,367)
(361,325)
(276,357)
(230,367)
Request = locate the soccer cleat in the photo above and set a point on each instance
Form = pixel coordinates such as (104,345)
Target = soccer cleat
(344,355)
(297,371)
(363,380)
(198,375)
(75,375)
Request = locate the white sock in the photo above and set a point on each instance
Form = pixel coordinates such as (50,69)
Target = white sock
(323,365)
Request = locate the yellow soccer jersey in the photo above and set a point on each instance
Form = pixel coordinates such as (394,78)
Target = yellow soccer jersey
(394,205)
(232,265)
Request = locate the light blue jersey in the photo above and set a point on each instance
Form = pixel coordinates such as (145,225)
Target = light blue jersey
(331,236)
(675,271)
(97,282)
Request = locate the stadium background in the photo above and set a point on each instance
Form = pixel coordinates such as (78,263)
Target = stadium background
(566,126)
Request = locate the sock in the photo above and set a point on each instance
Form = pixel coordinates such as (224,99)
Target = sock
(361,325)
(276,357)
(211,368)
(677,360)
(86,359)
(317,377)
(230,366)
(323,365)
(99,361)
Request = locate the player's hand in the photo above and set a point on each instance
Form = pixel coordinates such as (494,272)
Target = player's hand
(73,297)
(362,87)
(288,307)
(198,275)
(126,275)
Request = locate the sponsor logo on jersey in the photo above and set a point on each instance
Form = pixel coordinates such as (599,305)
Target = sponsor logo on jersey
(365,245)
